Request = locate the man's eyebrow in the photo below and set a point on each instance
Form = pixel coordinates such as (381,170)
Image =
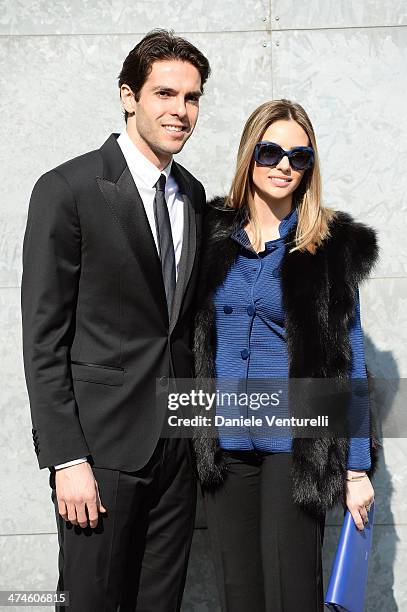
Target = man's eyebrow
(163,88)
(196,94)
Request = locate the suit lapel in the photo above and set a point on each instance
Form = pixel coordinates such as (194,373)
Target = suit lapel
(121,195)
(188,242)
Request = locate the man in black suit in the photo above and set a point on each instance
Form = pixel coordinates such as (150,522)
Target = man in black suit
(111,252)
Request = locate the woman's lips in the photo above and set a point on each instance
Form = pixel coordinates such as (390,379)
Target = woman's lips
(279,182)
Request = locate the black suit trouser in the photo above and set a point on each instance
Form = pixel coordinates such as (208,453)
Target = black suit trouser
(136,558)
(267,550)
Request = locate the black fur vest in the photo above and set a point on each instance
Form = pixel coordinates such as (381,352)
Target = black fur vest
(319,299)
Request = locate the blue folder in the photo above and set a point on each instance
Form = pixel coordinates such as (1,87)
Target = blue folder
(347,585)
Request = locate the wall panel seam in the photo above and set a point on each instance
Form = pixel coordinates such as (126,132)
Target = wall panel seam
(55,533)
(271,50)
(401,277)
(181,33)
(41,533)
(349,27)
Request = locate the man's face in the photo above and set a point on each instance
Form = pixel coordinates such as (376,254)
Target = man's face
(167,110)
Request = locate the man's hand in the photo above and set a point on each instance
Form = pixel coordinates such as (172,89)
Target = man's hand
(77,492)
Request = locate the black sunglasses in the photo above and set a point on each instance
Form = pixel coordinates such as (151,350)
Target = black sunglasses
(268,153)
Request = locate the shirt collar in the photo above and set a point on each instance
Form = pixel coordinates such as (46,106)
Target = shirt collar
(285,226)
(288,222)
(141,168)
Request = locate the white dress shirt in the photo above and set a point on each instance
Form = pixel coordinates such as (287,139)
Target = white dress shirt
(145,176)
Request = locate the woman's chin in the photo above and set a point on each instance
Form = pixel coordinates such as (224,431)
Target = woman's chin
(273,193)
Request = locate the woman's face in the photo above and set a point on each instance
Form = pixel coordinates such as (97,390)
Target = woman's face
(288,134)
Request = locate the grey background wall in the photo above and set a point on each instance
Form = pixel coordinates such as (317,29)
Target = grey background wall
(344,61)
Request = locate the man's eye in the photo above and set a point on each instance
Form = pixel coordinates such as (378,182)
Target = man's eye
(163,94)
(194,99)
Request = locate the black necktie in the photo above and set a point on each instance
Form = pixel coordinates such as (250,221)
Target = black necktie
(165,242)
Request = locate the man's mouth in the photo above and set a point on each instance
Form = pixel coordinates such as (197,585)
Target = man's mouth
(174,128)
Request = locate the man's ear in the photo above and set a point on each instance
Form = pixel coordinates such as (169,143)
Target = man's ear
(128,100)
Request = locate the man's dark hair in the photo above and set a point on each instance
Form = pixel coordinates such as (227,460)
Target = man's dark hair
(159,45)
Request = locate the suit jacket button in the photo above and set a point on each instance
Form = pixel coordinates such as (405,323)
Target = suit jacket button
(227,309)
(245,353)
(250,310)
(163,381)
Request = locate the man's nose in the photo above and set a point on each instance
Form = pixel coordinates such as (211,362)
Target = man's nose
(180,108)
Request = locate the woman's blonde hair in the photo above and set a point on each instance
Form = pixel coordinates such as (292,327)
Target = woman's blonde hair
(313,218)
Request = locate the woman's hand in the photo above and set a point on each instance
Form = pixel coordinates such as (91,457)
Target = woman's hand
(359,494)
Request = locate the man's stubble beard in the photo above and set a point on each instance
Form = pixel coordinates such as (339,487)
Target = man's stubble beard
(156,145)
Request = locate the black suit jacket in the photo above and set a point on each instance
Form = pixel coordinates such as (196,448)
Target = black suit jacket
(96,334)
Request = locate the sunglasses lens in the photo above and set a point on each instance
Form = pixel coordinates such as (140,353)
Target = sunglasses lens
(300,160)
(268,155)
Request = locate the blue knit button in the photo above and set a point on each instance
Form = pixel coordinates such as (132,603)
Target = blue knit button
(227,309)
(245,353)
(250,310)
(276,272)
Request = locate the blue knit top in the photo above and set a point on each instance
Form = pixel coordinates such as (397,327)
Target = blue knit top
(250,340)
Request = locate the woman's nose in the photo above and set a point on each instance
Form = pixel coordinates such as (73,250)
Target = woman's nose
(284,163)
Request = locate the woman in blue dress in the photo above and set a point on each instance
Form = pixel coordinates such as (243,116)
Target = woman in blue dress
(278,301)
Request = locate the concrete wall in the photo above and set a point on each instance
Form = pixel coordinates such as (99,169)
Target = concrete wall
(345,62)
